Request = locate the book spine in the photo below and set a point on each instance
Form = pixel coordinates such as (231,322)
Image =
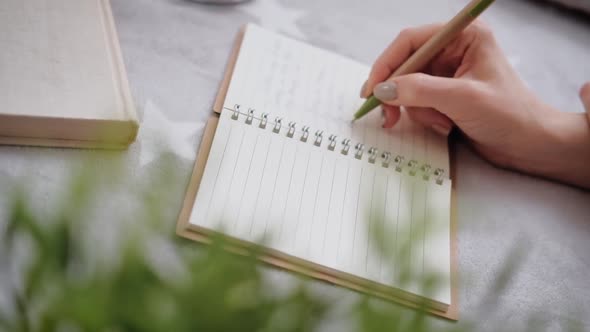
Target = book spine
(360,151)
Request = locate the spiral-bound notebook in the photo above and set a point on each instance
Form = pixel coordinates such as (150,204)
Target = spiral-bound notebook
(281,162)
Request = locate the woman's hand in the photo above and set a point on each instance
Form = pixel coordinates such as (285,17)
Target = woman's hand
(472,86)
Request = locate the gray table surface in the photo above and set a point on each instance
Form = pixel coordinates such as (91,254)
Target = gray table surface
(175,52)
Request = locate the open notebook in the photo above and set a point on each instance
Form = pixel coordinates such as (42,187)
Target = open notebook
(62,78)
(286,165)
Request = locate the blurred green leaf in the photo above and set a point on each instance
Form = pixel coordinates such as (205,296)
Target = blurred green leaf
(215,290)
(22,220)
(5,324)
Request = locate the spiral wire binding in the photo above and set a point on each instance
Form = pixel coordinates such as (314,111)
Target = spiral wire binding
(386,158)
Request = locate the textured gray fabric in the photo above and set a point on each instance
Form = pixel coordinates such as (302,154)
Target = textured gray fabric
(175,52)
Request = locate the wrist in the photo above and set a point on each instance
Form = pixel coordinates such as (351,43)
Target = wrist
(561,146)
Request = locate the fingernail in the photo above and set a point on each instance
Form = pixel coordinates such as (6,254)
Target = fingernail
(441,130)
(385,91)
(363,88)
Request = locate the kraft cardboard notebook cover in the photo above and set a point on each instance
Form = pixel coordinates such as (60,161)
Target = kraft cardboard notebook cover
(277,258)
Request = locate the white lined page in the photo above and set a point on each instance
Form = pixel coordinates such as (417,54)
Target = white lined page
(311,202)
(308,85)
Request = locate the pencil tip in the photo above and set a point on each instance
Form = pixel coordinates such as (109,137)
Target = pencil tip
(352,121)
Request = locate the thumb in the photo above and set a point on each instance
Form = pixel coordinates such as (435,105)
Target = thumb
(422,90)
(585,96)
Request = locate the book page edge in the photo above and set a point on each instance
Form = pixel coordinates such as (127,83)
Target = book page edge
(229,70)
(196,176)
(120,77)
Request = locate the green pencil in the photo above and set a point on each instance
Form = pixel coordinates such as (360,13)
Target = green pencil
(432,47)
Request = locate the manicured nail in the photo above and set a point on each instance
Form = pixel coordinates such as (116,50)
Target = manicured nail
(441,129)
(363,88)
(385,91)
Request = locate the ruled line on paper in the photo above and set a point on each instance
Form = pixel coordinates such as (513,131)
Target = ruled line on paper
(329,206)
(315,202)
(383,220)
(342,213)
(246,182)
(217,175)
(370,221)
(399,197)
(259,187)
(282,221)
(297,221)
(274,189)
(357,212)
(234,170)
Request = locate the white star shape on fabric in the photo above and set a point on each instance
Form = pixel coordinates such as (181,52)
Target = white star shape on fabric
(159,134)
(271,14)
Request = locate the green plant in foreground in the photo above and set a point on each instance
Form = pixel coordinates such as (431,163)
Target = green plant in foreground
(216,291)
(66,287)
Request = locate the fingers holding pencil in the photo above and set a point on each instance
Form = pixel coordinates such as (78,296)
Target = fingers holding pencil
(406,43)
(419,46)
